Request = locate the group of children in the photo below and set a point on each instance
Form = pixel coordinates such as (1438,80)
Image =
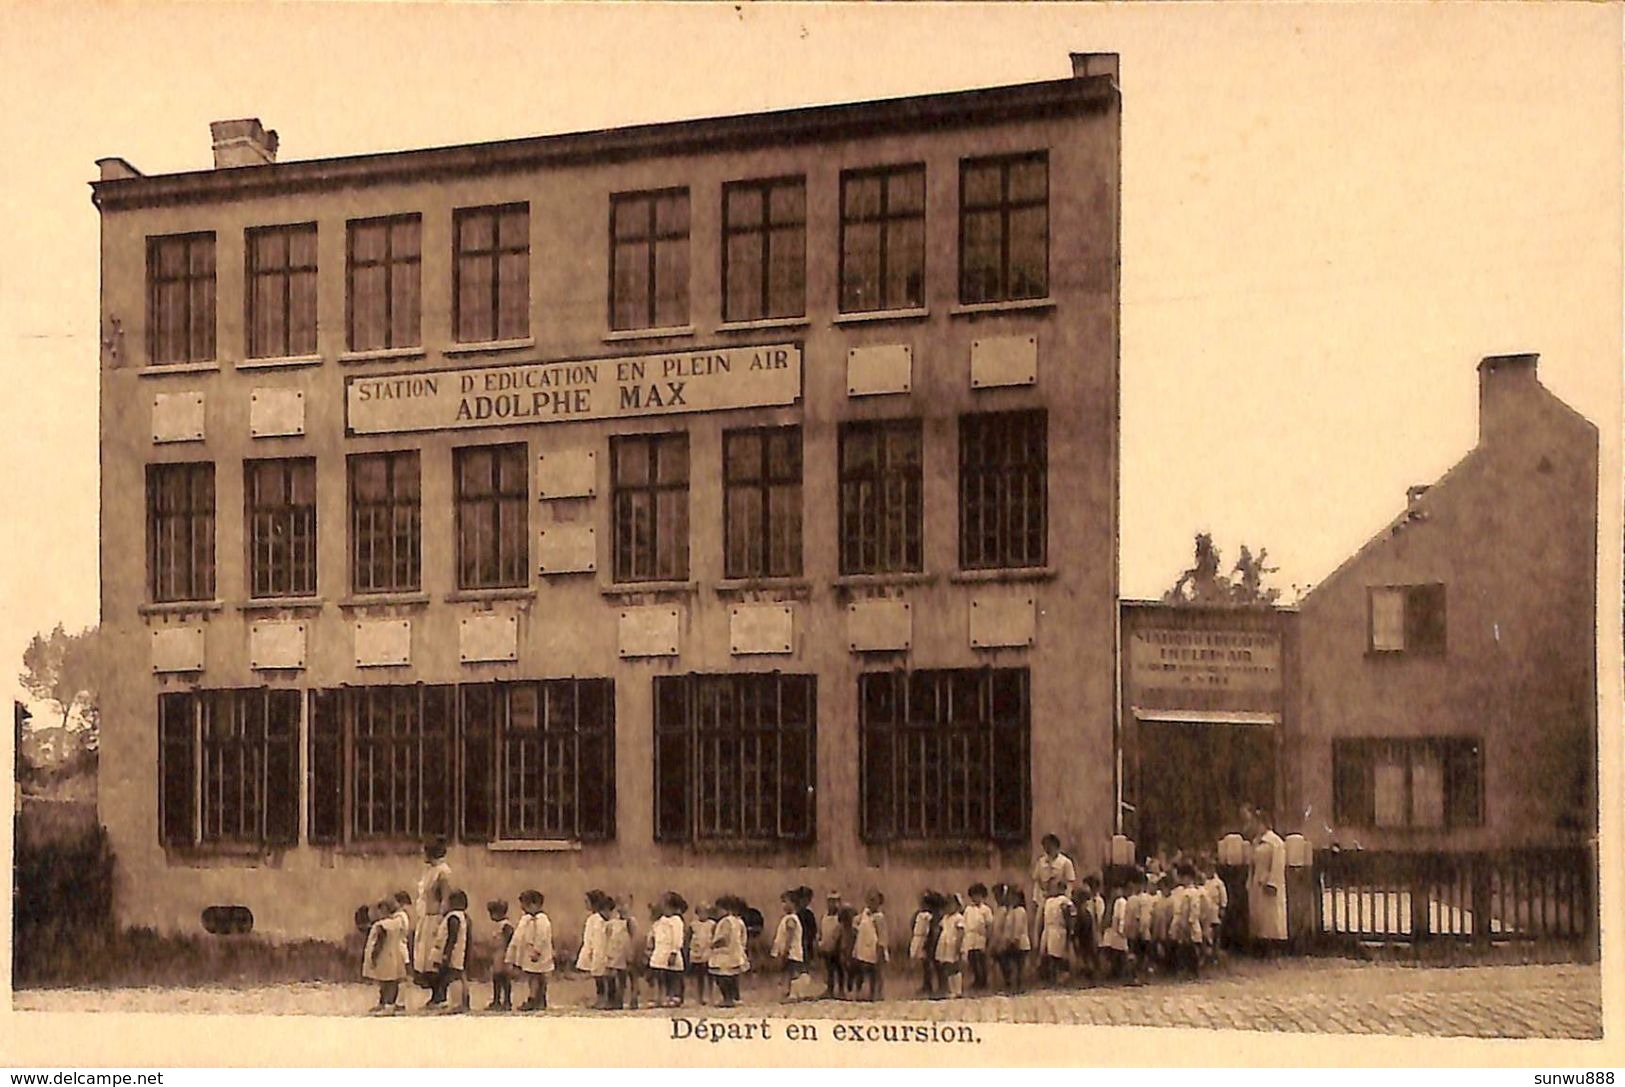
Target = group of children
(1160,919)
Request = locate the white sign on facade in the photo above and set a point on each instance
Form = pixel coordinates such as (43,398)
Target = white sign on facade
(1207,660)
(525,394)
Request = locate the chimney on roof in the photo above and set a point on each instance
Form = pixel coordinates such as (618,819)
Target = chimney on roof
(1506,384)
(116,169)
(1085,65)
(244,142)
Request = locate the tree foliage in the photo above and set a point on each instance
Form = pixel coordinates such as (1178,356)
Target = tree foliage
(1206,583)
(65,670)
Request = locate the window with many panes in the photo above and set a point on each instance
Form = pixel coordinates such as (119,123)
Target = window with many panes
(650,474)
(386,522)
(735,757)
(1421,782)
(228,767)
(528,760)
(764,249)
(882,508)
(539,759)
(381,763)
(1407,619)
(648,259)
(383,283)
(1004,228)
(883,239)
(944,754)
(491,273)
(492,500)
(180,532)
(1003,486)
(761,476)
(180,299)
(279,497)
(280,293)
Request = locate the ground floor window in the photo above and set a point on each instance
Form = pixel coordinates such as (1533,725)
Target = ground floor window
(945,754)
(526,760)
(1422,782)
(228,767)
(539,760)
(735,757)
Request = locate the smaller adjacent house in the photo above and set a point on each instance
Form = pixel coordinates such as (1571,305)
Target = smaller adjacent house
(1447,675)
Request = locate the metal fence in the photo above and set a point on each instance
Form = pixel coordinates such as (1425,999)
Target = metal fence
(1480,897)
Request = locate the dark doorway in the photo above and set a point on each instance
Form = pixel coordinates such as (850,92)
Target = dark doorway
(1193,778)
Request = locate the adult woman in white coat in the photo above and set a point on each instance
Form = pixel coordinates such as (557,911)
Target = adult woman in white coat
(1266,883)
(434,887)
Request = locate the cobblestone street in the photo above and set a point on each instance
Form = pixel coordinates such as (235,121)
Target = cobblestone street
(1327,996)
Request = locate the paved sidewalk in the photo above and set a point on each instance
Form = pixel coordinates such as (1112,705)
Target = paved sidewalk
(1322,996)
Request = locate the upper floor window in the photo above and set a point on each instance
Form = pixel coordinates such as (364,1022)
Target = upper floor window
(1416,782)
(386,522)
(1004,228)
(1407,619)
(650,474)
(383,273)
(281,291)
(491,273)
(180,531)
(882,505)
(180,299)
(1003,489)
(761,470)
(648,259)
(764,249)
(279,497)
(883,239)
(493,504)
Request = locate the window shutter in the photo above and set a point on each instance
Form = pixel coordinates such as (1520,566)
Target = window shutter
(438,721)
(1424,618)
(1008,706)
(798,757)
(326,767)
(595,760)
(878,697)
(177,755)
(1463,797)
(477,728)
(281,766)
(672,695)
(1352,804)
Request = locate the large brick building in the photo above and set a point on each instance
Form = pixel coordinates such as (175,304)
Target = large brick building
(718,504)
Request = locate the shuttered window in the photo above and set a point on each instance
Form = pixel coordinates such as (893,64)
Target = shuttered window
(1420,783)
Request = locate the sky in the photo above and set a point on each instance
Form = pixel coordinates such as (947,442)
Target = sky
(1330,213)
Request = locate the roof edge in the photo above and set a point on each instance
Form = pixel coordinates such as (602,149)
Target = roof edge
(799,124)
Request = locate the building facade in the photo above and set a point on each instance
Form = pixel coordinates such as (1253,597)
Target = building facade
(717,505)
(1448,668)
